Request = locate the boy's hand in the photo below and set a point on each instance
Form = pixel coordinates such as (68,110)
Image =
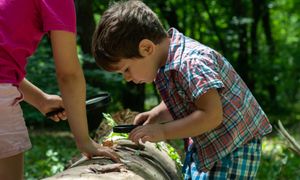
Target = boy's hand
(149,132)
(157,114)
(145,118)
(91,148)
(52,103)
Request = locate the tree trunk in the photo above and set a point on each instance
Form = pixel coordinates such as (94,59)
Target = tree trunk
(169,14)
(215,27)
(271,86)
(147,161)
(138,162)
(256,15)
(241,27)
(85,24)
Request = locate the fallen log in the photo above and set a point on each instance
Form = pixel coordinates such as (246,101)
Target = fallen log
(149,161)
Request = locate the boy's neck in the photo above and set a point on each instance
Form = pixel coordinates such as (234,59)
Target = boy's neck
(164,51)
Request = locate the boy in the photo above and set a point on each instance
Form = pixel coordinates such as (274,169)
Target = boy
(202,95)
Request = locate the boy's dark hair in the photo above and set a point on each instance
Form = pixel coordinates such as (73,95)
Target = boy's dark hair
(120,31)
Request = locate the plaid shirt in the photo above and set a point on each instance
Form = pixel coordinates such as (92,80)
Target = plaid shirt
(190,71)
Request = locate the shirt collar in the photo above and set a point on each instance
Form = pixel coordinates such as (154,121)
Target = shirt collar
(176,48)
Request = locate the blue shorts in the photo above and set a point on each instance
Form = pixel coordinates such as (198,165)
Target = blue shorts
(242,163)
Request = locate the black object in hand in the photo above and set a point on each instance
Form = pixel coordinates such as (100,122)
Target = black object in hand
(94,104)
(124,128)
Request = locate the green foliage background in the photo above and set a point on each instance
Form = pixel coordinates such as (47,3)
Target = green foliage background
(278,70)
(281,70)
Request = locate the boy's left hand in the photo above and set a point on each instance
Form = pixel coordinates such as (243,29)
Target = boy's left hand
(149,132)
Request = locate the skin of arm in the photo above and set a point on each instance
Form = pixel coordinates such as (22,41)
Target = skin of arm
(71,82)
(162,112)
(42,101)
(209,115)
(72,85)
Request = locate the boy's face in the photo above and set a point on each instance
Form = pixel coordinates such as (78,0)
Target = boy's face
(138,70)
(144,69)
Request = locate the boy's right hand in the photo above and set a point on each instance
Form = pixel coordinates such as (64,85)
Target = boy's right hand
(91,148)
(144,118)
(158,114)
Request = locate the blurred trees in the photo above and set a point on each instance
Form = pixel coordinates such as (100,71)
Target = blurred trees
(259,37)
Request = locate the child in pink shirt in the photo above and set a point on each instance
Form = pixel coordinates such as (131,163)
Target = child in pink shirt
(22,25)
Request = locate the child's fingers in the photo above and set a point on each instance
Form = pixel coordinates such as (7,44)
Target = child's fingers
(139,119)
(59,116)
(62,116)
(55,118)
(145,139)
(109,153)
(133,132)
(137,136)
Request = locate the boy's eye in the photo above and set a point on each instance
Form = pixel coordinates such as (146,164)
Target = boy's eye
(126,70)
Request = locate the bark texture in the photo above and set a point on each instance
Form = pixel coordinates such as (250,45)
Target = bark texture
(144,161)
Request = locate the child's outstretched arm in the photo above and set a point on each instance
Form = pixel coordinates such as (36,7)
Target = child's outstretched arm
(73,89)
(209,115)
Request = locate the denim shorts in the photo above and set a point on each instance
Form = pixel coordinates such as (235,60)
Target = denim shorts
(242,163)
(14,138)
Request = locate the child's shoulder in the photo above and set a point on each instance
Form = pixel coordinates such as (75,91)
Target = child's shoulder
(187,53)
(195,49)
(198,54)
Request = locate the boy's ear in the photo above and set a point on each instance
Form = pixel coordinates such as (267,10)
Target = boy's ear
(146,47)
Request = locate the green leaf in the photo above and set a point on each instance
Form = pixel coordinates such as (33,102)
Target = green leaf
(109,120)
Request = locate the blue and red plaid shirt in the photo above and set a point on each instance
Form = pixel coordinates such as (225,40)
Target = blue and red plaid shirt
(190,71)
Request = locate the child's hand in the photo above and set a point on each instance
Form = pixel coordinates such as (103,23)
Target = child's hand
(149,132)
(144,118)
(52,103)
(91,148)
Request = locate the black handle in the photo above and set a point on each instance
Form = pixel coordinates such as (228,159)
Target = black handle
(129,128)
(124,128)
(52,113)
(96,102)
